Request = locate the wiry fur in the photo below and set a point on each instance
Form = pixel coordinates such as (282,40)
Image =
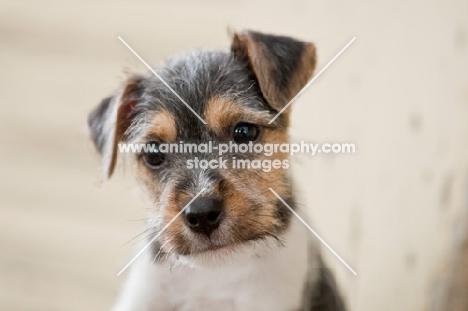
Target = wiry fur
(260,257)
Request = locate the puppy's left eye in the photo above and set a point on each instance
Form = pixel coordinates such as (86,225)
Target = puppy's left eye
(245,132)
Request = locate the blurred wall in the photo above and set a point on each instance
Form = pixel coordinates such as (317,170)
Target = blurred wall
(396,210)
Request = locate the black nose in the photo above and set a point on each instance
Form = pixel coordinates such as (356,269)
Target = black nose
(204,215)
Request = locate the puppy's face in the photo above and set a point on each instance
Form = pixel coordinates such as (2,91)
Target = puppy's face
(237,94)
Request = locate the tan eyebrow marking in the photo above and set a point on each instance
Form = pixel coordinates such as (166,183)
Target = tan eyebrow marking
(223,112)
(163,126)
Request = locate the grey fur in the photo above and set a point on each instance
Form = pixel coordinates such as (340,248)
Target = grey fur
(198,76)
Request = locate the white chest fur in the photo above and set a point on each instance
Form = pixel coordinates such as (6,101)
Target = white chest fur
(272,279)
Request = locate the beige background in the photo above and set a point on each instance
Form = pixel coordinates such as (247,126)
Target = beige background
(396,210)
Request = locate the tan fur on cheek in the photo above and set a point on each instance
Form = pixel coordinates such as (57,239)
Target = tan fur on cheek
(165,203)
(251,186)
(249,217)
(248,200)
(174,237)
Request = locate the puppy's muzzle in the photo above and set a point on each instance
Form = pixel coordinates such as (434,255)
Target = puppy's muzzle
(204,215)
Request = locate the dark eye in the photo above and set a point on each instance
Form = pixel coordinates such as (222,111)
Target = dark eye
(245,132)
(153,157)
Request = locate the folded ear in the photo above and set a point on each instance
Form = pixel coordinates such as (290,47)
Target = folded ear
(282,65)
(109,121)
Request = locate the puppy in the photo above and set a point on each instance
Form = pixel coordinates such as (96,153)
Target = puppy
(234,244)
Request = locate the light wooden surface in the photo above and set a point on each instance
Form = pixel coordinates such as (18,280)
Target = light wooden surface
(396,210)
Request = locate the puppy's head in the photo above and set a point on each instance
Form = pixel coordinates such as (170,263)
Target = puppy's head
(237,94)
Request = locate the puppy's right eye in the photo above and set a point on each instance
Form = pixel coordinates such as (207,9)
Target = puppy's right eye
(245,133)
(153,158)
